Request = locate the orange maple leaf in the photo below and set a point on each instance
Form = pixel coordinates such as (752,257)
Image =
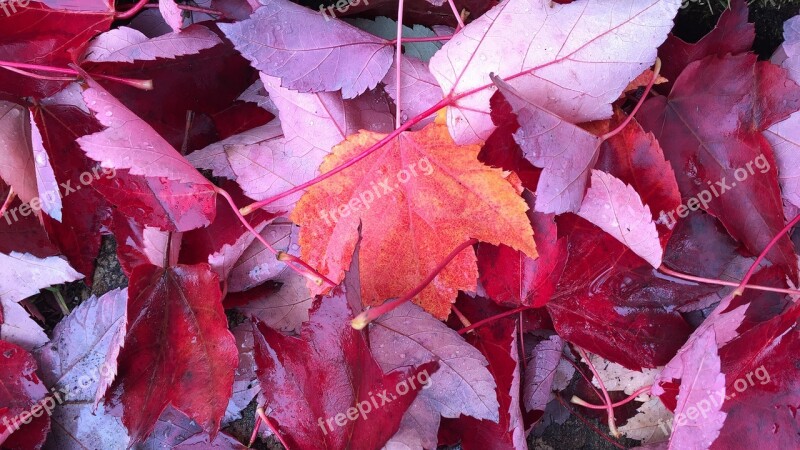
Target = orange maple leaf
(415,200)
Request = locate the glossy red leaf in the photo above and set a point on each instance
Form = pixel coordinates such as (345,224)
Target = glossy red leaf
(511,278)
(21,391)
(178,349)
(47,33)
(710,129)
(326,373)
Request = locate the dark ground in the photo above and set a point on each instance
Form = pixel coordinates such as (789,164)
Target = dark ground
(693,22)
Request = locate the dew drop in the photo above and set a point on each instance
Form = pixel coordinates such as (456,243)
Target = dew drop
(109,113)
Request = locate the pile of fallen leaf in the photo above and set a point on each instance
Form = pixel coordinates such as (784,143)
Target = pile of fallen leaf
(397,243)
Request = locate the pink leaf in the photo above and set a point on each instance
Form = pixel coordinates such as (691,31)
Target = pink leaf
(129,142)
(275,41)
(215,157)
(171,14)
(702,380)
(125,44)
(49,194)
(573,59)
(618,210)
(784,136)
(17,166)
(419,89)
(85,346)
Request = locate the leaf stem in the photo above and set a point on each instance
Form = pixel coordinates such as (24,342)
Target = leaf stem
(11,65)
(754,267)
(304,270)
(579,401)
(388,138)
(265,419)
(755,287)
(614,132)
(483,322)
(363,319)
(587,423)
(606,399)
(457,14)
(131,12)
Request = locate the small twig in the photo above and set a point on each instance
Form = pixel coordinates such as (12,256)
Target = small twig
(612,426)
(579,401)
(133,11)
(398,120)
(60,300)
(754,287)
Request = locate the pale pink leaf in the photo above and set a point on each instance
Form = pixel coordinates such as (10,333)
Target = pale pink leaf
(85,346)
(617,209)
(245,382)
(215,156)
(130,143)
(18,328)
(273,166)
(419,89)
(49,197)
(409,336)
(16,165)
(784,136)
(572,59)
(257,264)
(23,275)
(156,243)
(702,382)
(310,52)
(125,44)
(565,151)
(225,259)
(540,372)
(171,14)
(285,309)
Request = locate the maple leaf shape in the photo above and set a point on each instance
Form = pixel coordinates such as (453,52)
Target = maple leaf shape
(407,336)
(277,45)
(573,60)
(178,349)
(565,151)
(20,391)
(618,210)
(710,129)
(326,371)
(413,194)
(125,44)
